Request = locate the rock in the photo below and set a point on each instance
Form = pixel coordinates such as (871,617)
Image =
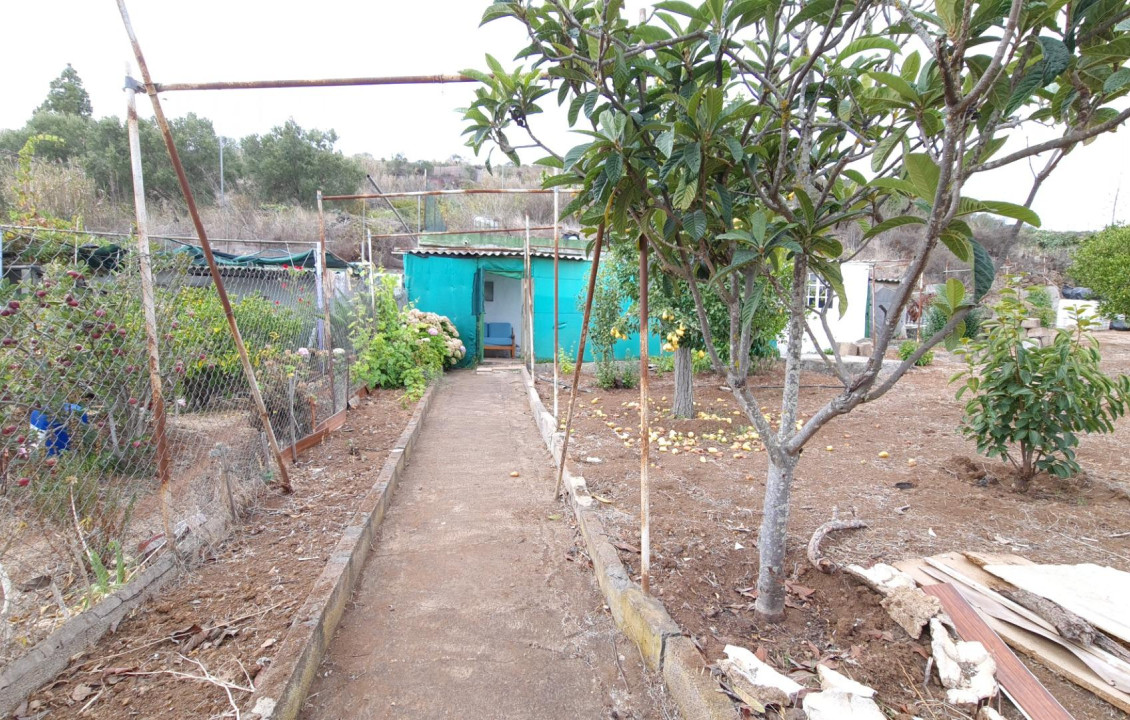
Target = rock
(593,460)
(965,668)
(987,713)
(864,347)
(882,578)
(911,609)
(847,348)
(1030,323)
(755,682)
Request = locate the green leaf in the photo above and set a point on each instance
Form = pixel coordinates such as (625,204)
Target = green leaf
(695,223)
(958,243)
(954,291)
(923,174)
(864,44)
(758,224)
(678,7)
(575,154)
(984,271)
(950,12)
(692,157)
(613,167)
(885,147)
(896,83)
(665,142)
(810,11)
(1117,81)
(892,223)
(1012,210)
(1055,60)
(735,147)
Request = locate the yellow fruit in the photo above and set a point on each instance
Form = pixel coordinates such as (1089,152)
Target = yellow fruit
(911,462)
(884,454)
(513,473)
(829,448)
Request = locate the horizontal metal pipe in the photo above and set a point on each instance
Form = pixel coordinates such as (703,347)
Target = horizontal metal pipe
(321,82)
(490,231)
(112,234)
(422,193)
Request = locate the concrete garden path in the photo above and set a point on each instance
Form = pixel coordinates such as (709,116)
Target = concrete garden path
(468,606)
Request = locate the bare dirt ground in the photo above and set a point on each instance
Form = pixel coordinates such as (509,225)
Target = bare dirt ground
(932,494)
(227,616)
(478,601)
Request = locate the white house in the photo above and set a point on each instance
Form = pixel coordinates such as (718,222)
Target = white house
(849,328)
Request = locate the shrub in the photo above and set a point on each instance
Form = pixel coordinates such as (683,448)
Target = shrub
(935,319)
(907,349)
(611,375)
(1100,263)
(1028,403)
(1040,306)
(402,348)
(564,363)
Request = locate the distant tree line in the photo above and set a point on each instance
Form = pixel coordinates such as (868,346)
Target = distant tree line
(286,165)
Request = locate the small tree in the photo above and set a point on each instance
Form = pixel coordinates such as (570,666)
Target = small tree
(1102,263)
(1028,402)
(738,137)
(67,95)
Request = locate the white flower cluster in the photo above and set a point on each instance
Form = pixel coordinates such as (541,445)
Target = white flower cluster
(431,324)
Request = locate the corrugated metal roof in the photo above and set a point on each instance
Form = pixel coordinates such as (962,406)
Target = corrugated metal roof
(472,251)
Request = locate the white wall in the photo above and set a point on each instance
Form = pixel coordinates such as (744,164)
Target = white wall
(507,304)
(853,325)
(1064,318)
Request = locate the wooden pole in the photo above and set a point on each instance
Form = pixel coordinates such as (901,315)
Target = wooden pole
(645,429)
(556,303)
(327,298)
(580,357)
(206,247)
(157,398)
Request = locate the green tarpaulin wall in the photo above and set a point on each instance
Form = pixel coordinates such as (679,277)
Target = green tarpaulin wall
(452,286)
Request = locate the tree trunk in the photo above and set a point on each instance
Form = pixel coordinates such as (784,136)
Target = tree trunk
(772,540)
(683,407)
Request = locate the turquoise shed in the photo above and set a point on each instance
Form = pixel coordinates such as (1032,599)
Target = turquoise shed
(485,283)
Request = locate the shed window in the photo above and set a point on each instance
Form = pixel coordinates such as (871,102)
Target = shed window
(488,290)
(819,295)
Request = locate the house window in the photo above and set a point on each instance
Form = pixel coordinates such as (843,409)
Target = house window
(488,291)
(819,295)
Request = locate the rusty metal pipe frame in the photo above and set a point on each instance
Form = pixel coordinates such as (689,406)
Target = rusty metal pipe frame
(314,83)
(157,398)
(645,428)
(492,231)
(213,269)
(327,297)
(580,358)
(426,193)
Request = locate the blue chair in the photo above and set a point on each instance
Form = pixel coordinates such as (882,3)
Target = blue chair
(499,336)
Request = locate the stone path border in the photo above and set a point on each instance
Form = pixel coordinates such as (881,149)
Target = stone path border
(281,689)
(641,617)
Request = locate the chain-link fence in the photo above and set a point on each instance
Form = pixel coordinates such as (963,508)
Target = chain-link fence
(80,507)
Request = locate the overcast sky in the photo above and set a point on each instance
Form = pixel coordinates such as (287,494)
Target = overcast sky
(256,39)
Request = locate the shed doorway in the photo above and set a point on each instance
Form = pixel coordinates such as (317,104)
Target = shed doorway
(502,303)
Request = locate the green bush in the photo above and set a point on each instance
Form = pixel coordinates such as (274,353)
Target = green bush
(935,319)
(1101,264)
(611,375)
(1028,403)
(402,348)
(1040,301)
(565,364)
(909,347)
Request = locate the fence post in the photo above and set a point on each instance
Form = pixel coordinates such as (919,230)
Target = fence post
(206,247)
(645,428)
(157,400)
(327,298)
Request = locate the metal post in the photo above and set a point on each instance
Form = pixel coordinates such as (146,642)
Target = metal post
(556,301)
(206,247)
(645,429)
(327,301)
(157,398)
(580,356)
(372,271)
(319,298)
(221,138)
(530,296)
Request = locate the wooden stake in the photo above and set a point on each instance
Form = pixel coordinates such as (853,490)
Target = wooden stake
(645,429)
(157,398)
(580,358)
